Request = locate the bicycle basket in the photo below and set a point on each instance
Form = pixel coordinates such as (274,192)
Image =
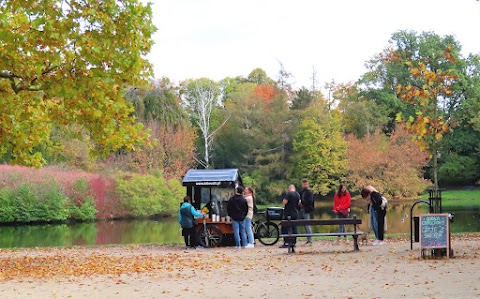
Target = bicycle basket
(274,213)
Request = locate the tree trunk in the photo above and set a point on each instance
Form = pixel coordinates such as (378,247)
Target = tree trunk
(207,160)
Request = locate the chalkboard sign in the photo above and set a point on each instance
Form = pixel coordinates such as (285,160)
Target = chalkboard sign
(434,231)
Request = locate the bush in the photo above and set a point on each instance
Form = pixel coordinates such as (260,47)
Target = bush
(51,205)
(7,206)
(28,204)
(82,205)
(24,200)
(147,195)
(84,212)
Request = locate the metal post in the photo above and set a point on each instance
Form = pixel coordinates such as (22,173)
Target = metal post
(411,218)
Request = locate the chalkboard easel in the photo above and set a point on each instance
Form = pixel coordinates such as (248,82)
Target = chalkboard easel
(434,232)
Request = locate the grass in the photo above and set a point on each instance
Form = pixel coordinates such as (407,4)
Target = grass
(459,198)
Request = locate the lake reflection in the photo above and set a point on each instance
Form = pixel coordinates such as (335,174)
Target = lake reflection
(167,230)
(100,233)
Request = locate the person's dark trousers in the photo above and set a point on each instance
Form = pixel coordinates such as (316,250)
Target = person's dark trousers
(286,230)
(381,223)
(190,236)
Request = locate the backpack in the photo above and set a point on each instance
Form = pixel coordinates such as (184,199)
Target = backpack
(384,204)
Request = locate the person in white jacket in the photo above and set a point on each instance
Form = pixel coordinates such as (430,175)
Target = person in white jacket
(250,197)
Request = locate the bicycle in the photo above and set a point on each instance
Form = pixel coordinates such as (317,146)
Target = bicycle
(266,231)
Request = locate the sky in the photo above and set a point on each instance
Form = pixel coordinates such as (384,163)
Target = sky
(228,38)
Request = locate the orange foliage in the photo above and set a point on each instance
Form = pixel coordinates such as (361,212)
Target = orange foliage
(393,165)
(72,263)
(267,92)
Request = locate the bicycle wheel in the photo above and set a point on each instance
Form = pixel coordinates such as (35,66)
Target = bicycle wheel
(268,233)
(212,238)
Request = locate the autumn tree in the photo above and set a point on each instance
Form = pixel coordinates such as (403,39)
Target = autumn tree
(390,68)
(434,86)
(393,164)
(65,62)
(320,149)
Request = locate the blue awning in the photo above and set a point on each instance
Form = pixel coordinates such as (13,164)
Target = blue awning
(212,177)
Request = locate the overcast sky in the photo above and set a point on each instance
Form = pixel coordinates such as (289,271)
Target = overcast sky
(228,38)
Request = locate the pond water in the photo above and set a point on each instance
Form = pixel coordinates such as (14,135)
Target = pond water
(167,230)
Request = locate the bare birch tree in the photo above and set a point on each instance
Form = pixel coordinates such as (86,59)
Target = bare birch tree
(201,98)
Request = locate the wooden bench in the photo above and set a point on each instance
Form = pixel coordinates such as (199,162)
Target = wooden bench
(289,238)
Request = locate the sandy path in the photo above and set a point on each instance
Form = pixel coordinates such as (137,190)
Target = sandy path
(324,270)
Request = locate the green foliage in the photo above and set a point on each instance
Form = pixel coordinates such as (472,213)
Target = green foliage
(320,150)
(27,203)
(147,195)
(303,99)
(51,205)
(458,170)
(81,206)
(69,145)
(7,206)
(259,77)
(85,212)
(159,103)
(65,62)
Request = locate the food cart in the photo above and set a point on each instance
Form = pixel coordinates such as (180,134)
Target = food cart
(211,188)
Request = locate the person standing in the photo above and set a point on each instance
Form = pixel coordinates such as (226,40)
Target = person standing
(250,198)
(375,200)
(186,218)
(237,209)
(291,202)
(306,207)
(341,205)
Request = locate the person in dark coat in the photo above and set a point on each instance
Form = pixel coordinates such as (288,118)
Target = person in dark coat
(375,200)
(292,205)
(306,207)
(237,209)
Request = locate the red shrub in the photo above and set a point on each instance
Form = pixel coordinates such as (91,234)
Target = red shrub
(102,189)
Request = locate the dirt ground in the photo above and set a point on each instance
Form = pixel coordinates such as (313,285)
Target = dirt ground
(324,270)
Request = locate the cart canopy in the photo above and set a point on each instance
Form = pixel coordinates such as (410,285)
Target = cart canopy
(212,177)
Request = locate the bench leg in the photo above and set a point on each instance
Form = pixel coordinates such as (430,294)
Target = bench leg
(355,243)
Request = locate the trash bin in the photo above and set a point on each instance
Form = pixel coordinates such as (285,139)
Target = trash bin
(416,228)
(274,213)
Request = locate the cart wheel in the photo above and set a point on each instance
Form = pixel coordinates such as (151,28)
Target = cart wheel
(211,236)
(268,233)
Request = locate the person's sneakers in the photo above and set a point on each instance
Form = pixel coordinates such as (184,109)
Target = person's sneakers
(309,243)
(285,245)
(376,242)
(249,246)
(380,243)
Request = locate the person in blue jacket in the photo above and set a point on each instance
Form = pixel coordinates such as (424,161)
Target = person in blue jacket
(186,218)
